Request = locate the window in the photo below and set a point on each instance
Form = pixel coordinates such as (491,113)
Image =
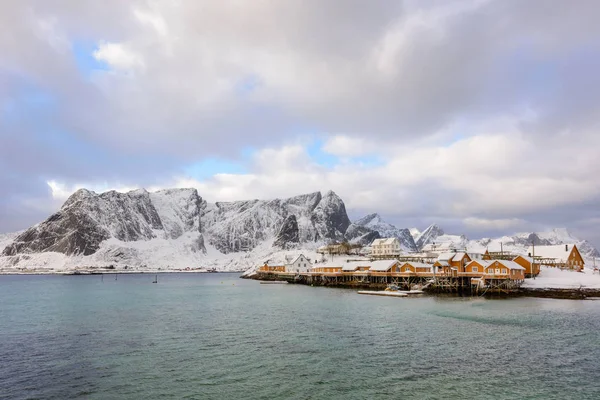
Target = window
(504,271)
(498,270)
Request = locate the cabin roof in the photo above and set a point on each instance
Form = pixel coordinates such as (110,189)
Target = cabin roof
(297,258)
(508,264)
(326,266)
(384,241)
(483,263)
(556,251)
(382,265)
(528,259)
(459,256)
(446,256)
(418,264)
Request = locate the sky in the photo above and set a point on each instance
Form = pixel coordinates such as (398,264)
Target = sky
(481,116)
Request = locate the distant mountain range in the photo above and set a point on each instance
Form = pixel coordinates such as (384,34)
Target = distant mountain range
(177,228)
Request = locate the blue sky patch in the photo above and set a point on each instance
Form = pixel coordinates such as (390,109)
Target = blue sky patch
(83,52)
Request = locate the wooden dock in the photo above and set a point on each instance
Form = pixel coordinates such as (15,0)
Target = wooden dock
(383,293)
(462,283)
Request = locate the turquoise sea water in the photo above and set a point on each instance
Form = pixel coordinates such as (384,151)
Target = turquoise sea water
(214,336)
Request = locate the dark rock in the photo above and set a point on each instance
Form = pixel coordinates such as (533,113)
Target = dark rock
(288,235)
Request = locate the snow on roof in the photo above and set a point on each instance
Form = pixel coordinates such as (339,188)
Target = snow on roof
(297,258)
(561,252)
(459,256)
(508,264)
(419,264)
(443,263)
(384,241)
(483,263)
(446,256)
(528,259)
(382,265)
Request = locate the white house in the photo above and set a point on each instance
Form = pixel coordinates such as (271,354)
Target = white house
(385,247)
(299,264)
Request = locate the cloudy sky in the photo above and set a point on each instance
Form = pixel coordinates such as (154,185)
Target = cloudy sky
(482,116)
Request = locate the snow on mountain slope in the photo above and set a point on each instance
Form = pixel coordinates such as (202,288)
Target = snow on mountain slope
(519,242)
(428,236)
(376,223)
(179,210)
(7,238)
(243,225)
(176,228)
(87,219)
(414,233)
(167,229)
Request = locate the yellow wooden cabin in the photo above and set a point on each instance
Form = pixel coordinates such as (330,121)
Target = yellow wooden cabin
(477,267)
(417,268)
(459,261)
(327,269)
(503,269)
(272,268)
(561,255)
(384,267)
(531,268)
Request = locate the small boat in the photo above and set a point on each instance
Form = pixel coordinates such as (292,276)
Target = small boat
(273,282)
(155,279)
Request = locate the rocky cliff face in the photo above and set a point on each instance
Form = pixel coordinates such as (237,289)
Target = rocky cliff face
(288,235)
(243,225)
(87,219)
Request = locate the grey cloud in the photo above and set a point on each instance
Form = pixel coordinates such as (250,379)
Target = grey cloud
(315,67)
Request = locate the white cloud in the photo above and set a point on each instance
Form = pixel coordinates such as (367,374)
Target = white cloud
(118,56)
(477,108)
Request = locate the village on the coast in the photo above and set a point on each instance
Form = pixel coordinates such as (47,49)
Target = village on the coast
(441,267)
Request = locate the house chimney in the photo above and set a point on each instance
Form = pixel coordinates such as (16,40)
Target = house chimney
(566,247)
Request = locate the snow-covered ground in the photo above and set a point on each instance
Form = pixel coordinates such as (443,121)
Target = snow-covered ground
(554,278)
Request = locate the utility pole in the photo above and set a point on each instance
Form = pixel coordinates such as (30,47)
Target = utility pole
(533,258)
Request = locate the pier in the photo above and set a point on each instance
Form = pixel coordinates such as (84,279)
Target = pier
(463,283)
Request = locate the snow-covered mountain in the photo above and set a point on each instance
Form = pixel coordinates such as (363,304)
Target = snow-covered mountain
(174,228)
(243,225)
(428,236)
(375,223)
(517,243)
(87,219)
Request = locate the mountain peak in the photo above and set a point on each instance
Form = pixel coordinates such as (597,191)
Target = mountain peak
(370,219)
(375,223)
(429,235)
